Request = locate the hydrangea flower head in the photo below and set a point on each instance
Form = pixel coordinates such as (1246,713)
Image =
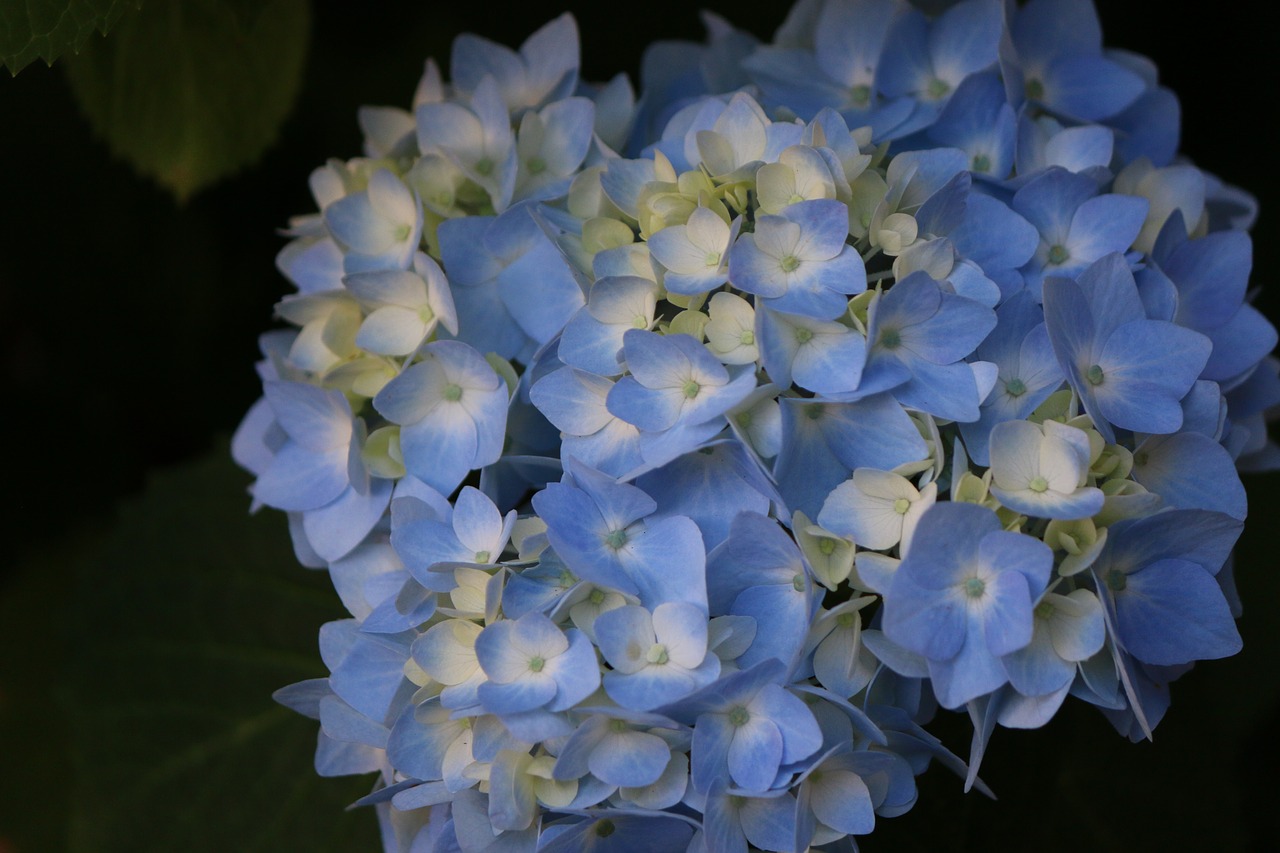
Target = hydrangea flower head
(678,450)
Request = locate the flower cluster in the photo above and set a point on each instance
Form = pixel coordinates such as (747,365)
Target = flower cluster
(677,456)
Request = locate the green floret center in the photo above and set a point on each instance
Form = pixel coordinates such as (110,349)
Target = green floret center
(860,95)
(616,539)
(691,389)
(605,828)
(974,587)
(981,163)
(1015,387)
(1038,484)
(1116,580)
(803,335)
(1058,254)
(789,263)
(938,88)
(901,505)
(1034,89)
(827,546)
(1095,375)
(890,339)
(453,392)
(797,582)
(657,654)
(536,165)
(484,166)
(536,663)
(739,716)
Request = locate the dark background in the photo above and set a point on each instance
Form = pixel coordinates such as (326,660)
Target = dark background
(128,329)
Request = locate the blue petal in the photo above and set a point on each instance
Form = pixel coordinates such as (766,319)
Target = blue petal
(755,753)
(823,442)
(1191,471)
(439,449)
(1090,87)
(299,479)
(709,753)
(1173,612)
(1149,365)
(629,758)
(1007,615)
(928,622)
(667,562)
(336,528)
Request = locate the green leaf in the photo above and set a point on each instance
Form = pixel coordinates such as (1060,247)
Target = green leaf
(180,628)
(46,29)
(191,91)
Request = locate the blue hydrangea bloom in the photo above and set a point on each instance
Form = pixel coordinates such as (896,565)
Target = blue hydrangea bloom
(677,451)
(963,598)
(1129,372)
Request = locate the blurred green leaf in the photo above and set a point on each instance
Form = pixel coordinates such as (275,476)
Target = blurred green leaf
(181,626)
(191,91)
(46,29)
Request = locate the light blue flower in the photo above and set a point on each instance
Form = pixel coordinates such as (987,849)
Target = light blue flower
(452,408)
(746,727)
(477,139)
(695,253)
(600,529)
(933,57)
(1156,578)
(1077,225)
(674,380)
(918,335)
(656,657)
(380,226)
(1040,470)
(550,147)
(963,598)
(544,69)
(798,262)
(1128,371)
(839,70)
(604,397)
(821,355)
(320,457)
(404,306)
(476,533)
(531,664)
(1060,63)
